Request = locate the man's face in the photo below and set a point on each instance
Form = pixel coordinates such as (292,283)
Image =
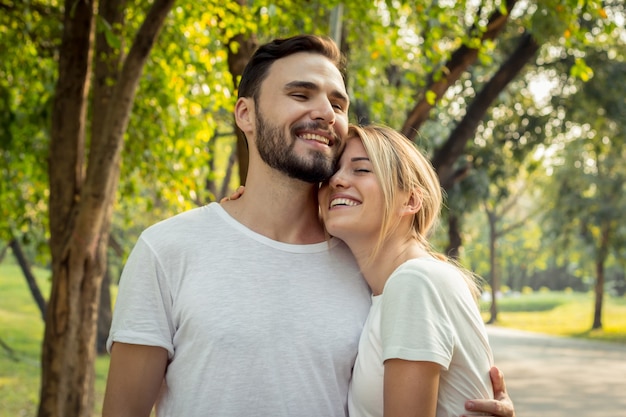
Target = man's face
(301,117)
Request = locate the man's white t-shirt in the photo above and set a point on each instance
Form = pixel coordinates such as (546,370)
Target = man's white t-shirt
(253,327)
(425,313)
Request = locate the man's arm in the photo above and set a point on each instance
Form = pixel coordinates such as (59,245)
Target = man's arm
(501,405)
(135,376)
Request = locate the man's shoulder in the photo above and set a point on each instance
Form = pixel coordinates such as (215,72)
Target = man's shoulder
(192,219)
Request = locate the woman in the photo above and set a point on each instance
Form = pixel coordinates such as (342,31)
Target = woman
(424,349)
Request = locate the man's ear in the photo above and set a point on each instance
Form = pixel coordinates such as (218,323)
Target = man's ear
(413,204)
(244,114)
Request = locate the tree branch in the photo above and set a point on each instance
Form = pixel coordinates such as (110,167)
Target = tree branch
(104,156)
(445,157)
(458,63)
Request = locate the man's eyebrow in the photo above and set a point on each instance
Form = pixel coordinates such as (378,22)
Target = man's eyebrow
(308,85)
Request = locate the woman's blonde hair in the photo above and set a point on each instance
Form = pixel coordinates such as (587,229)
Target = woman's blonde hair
(401,168)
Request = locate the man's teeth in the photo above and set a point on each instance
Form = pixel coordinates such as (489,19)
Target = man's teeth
(343,202)
(317,138)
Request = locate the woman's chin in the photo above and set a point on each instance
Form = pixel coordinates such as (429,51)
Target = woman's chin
(338,233)
(333,230)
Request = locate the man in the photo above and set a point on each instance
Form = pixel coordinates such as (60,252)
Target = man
(244,308)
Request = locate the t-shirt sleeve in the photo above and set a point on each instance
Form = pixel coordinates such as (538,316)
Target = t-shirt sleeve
(415,325)
(143,307)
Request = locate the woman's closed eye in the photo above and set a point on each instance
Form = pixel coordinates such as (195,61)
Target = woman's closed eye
(362,170)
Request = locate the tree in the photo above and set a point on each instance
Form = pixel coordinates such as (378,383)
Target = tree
(16,248)
(496,207)
(588,195)
(459,49)
(81,198)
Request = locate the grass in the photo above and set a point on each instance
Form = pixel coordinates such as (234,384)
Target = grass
(562,314)
(21,331)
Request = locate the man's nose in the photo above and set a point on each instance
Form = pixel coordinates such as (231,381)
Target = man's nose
(323,110)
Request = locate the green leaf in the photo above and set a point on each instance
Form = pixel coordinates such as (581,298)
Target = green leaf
(431,97)
(103,26)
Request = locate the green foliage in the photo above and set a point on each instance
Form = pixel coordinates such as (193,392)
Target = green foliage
(28,45)
(542,301)
(586,195)
(111,37)
(181,134)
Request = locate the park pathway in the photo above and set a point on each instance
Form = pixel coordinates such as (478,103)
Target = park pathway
(561,377)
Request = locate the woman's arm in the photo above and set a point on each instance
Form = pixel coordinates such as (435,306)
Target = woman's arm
(410,388)
(135,376)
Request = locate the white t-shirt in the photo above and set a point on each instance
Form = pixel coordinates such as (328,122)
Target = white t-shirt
(253,327)
(425,313)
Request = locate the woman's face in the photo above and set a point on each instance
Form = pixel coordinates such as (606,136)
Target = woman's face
(351,202)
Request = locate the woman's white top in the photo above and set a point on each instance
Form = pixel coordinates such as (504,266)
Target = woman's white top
(425,313)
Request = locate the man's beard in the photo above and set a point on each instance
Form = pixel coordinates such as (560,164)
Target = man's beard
(277,152)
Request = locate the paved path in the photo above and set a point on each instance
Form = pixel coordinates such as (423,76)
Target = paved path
(561,377)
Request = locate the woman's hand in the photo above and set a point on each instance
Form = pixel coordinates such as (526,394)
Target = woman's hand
(501,405)
(234,196)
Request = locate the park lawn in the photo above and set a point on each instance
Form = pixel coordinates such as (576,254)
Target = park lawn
(562,314)
(21,332)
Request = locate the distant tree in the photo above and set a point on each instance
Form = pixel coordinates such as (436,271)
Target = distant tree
(24,264)
(588,197)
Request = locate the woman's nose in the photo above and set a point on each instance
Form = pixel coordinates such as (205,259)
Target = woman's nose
(338,180)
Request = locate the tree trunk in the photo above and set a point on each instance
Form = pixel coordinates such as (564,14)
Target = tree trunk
(446,156)
(80,217)
(105,314)
(9,351)
(67,372)
(68,351)
(599,296)
(599,287)
(30,277)
(229,173)
(454,236)
(495,279)
(237,61)
(105,310)
(458,63)
(107,66)
(3,253)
